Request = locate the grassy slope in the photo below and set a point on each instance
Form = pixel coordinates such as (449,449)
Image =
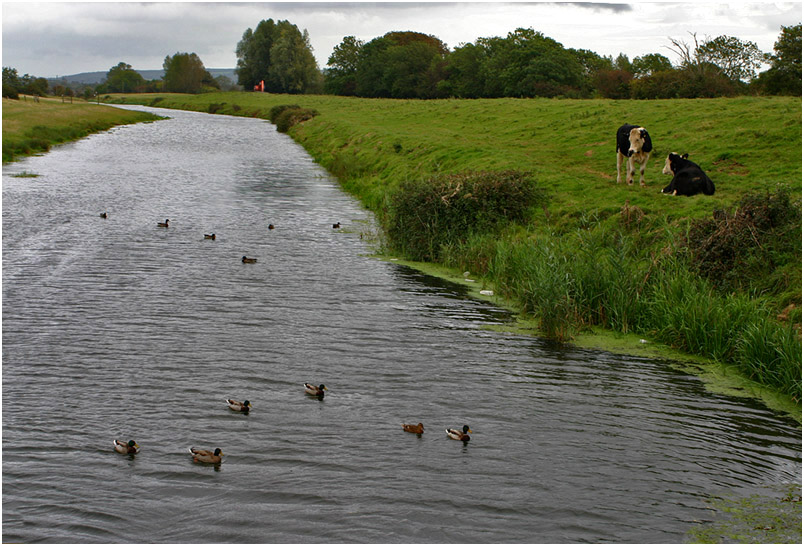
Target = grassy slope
(743,143)
(31,127)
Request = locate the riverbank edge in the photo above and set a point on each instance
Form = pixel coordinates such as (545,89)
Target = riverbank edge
(719,377)
(84,128)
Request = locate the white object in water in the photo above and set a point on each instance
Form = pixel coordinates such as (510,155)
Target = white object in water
(487,292)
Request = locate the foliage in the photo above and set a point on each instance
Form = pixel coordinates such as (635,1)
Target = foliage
(400,65)
(340,78)
(123,78)
(279,55)
(286,116)
(185,73)
(784,75)
(426,214)
(738,59)
(14,85)
(748,250)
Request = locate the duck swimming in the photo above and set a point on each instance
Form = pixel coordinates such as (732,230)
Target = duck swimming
(163,224)
(104,215)
(206,456)
(243,407)
(415,429)
(129,447)
(315,391)
(459,435)
(209,236)
(249,260)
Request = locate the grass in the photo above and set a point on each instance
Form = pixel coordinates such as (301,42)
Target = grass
(598,253)
(32,127)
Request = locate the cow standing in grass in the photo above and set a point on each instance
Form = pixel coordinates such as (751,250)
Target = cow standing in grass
(633,145)
(688,177)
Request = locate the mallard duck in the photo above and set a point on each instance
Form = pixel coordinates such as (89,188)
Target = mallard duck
(336,226)
(315,391)
(104,215)
(206,456)
(209,236)
(415,429)
(459,435)
(129,447)
(270,226)
(234,405)
(249,260)
(163,224)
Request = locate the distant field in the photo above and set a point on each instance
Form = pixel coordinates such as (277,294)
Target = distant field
(745,143)
(30,127)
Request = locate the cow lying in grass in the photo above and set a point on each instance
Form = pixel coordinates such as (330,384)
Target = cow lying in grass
(633,145)
(688,177)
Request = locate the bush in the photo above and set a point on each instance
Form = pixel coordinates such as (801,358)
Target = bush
(426,215)
(751,249)
(286,116)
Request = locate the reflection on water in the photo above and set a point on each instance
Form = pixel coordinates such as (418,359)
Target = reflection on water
(116,328)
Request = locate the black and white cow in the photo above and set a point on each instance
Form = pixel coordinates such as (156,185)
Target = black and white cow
(688,177)
(634,145)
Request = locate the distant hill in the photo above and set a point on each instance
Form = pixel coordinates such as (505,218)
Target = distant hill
(94,78)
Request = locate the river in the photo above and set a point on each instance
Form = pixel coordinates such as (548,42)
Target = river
(116,328)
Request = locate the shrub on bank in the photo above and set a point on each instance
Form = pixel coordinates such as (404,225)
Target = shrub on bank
(426,215)
(285,116)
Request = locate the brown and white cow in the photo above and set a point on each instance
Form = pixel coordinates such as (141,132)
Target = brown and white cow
(633,145)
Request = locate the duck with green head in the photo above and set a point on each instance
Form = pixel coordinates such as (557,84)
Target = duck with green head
(461,435)
(207,456)
(131,447)
(309,388)
(242,407)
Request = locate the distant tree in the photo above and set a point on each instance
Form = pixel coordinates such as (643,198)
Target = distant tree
(184,73)
(11,83)
(293,67)
(622,63)
(650,64)
(279,55)
(401,65)
(738,59)
(613,84)
(340,77)
(784,75)
(699,76)
(463,72)
(123,79)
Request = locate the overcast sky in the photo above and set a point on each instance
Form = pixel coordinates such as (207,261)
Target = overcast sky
(63,38)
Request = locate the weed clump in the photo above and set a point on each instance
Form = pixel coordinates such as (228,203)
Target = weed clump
(285,116)
(426,215)
(757,249)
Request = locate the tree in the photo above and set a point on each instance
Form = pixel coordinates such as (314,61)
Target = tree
(340,78)
(737,59)
(293,67)
(401,65)
(11,83)
(123,79)
(784,75)
(279,55)
(184,73)
(650,64)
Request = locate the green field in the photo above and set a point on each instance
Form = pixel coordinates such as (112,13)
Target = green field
(31,127)
(742,143)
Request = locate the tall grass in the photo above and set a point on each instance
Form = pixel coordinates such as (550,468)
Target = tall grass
(590,278)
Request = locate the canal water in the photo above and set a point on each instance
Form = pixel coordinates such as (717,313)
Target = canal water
(117,328)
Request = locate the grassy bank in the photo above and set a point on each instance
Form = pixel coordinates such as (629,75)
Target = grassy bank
(587,252)
(32,127)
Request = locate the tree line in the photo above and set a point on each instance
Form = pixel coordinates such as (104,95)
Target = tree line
(277,57)
(526,63)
